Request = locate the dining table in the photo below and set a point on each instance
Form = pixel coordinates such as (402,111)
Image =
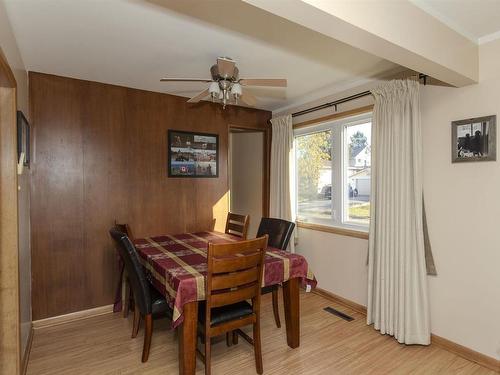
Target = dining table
(176,265)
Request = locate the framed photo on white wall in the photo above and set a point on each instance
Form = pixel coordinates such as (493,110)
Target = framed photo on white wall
(473,139)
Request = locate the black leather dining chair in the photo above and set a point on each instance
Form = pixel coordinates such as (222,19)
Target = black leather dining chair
(148,302)
(279,232)
(128,297)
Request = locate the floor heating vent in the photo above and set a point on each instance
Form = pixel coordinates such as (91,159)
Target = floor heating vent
(338,313)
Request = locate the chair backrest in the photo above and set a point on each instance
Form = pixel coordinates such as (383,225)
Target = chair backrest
(279,231)
(234,273)
(125,228)
(237,225)
(136,276)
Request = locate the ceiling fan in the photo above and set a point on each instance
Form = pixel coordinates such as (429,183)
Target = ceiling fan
(226,87)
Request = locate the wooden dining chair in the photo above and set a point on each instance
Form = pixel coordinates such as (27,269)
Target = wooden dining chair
(234,276)
(279,231)
(127,298)
(149,304)
(237,225)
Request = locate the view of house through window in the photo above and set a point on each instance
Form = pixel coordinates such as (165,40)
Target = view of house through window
(357,170)
(333,168)
(314,185)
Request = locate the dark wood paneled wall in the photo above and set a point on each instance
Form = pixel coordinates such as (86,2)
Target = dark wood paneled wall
(100,154)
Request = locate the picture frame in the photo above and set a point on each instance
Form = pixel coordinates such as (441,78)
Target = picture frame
(473,139)
(23,139)
(193,154)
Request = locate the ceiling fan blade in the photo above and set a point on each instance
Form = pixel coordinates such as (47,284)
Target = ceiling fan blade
(264,82)
(225,67)
(184,80)
(248,99)
(198,97)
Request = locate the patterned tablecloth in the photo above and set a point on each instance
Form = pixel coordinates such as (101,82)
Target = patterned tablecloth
(177,266)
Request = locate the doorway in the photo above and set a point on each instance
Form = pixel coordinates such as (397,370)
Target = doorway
(247,174)
(10,357)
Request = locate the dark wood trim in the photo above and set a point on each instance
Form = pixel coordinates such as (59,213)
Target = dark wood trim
(335,116)
(248,128)
(462,351)
(238,130)
(335,230)
(27,351)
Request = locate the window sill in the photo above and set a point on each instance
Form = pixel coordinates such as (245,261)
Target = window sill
(334,230)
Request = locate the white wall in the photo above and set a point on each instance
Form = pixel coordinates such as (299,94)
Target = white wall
(338,262)
(246,159)
(8,47)
(463,212)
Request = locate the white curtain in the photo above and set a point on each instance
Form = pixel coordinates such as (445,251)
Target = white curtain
(281,153)
(397,284)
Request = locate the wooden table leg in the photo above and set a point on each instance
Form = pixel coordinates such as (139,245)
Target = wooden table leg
(292,312)
(187,340)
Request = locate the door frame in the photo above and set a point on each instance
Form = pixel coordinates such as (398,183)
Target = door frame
(10,342)
(266,168)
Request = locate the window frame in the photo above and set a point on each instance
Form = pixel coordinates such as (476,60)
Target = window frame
(339,193)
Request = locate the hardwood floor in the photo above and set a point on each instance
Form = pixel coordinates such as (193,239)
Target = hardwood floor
(329,345)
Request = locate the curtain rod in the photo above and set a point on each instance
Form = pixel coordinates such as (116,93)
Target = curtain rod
(344,100)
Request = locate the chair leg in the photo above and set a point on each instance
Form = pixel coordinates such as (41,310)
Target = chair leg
(208,355)
(148,325)
(137,319)
(276,308)
(229,338)
(235,338)
(126,299)
(257,347)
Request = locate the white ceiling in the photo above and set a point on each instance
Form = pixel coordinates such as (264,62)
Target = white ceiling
(136,42)
(478,20)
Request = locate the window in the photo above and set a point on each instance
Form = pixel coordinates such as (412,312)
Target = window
(333,167)
(314,182)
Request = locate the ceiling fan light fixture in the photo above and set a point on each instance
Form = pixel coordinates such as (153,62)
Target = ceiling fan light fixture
(226,86)
(214,88)
(236,90)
